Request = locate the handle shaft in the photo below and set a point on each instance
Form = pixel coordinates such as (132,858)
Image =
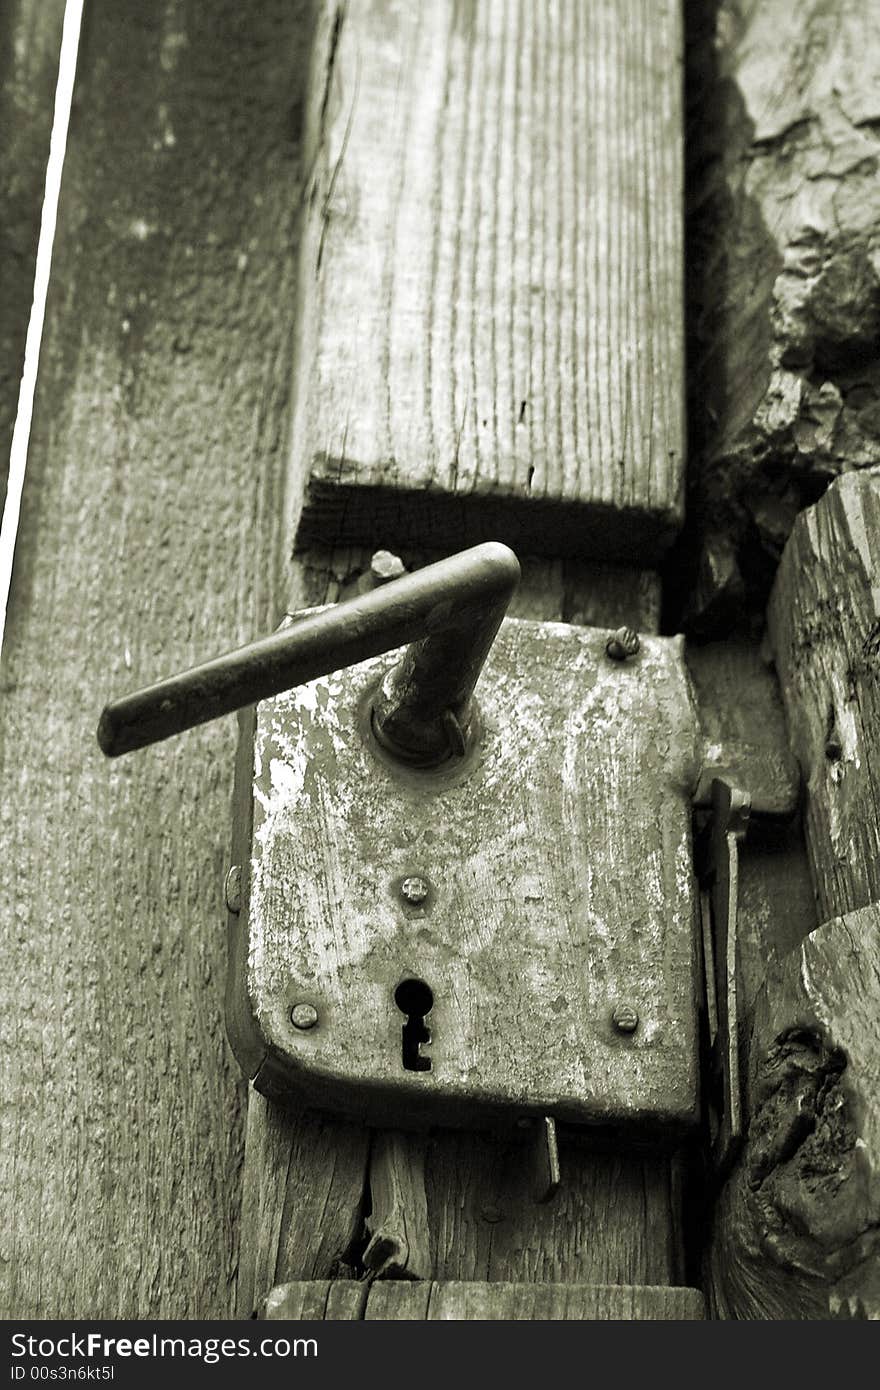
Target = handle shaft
(450,611)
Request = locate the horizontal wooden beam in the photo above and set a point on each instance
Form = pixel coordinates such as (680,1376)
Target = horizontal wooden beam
(440,1301)
(491,330)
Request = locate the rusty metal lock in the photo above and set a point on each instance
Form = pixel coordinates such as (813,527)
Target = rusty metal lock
(451,911)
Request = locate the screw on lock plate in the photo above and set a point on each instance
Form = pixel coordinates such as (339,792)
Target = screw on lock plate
(447,915)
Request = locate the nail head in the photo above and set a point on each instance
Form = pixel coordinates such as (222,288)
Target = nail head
(625,1018)
(304,1016)
(623,643)
(414,889)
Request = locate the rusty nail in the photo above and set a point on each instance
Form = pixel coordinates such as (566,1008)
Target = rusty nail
(625,1018)
(492,1214)
(383,567)
(232,889)
(622,643)
(304,1016)
(414,890)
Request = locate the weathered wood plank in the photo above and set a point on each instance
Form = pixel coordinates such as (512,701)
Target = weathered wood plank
(824,622)
(796,1233)
(30,40)
(302,1197)
(150,529)
(323,1300)
(491,334)
(617,1217)
(785,283)
(397,1225)
(589,594)
(442,1301)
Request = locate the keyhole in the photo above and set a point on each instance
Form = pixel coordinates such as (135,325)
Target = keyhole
(414,998)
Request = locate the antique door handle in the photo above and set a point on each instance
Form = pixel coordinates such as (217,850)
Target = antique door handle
(439,915)
(422,713)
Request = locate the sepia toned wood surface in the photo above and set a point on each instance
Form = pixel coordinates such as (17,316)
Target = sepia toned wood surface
(491,322)
(150,536)
(436,1300)
(824,619)
(30,40)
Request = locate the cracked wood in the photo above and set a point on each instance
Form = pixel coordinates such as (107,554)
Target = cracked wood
(491,335)
(784,279)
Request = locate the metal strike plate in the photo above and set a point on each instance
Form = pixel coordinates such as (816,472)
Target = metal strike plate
(555,922)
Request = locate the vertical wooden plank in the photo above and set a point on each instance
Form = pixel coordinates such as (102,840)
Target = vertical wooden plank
(492,279)
(150,533)
(824,621)
(30,39)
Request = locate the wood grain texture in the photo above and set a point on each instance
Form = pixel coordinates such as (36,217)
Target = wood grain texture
(797,1228)
(398,1246)
(449,1301)
(740,709)
(302,1198)
(564,834)
(580,592)
(784,284)
(491,340)
(150,531)
(30,41)
(824,622)
(320,1300)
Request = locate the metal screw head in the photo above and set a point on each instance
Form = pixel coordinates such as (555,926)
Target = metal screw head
(232,889)
(622,643)
(625,1018)
(385,566)
(414,890)
(304,1016)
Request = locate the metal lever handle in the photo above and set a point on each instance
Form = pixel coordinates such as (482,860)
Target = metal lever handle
(449,612)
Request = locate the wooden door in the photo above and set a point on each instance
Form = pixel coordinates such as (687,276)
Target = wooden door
(329,279)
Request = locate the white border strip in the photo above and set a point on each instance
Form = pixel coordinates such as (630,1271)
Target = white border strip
(22,429)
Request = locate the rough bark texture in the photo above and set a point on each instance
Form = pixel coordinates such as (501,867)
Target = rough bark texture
(492,337)
(798,1225)
(30,39)
(824,622)
(784,293)
(150,534)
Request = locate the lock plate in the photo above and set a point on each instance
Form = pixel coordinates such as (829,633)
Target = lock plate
(558,864)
